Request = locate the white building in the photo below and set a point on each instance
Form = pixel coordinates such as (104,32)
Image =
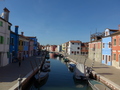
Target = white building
(74,47)
(5,26)
(59,48)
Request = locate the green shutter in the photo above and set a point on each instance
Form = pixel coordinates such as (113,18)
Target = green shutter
(1,23)
(9,27)
(8,54)
(2,39)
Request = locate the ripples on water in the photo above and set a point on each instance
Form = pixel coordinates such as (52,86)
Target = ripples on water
(60,78)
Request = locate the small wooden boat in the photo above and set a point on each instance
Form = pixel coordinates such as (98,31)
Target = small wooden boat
(46,66)
(41,76)
(65,59)
(96,85)
(71,65)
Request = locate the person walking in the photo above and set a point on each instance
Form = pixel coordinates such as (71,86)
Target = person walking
(19,62)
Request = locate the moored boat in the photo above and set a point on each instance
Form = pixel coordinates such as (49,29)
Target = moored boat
(96,85)
(41,76)
(80,72)
(71,65)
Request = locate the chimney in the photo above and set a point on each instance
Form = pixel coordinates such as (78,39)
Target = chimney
(22,33)
(119,27)
(6,14)
(16,29)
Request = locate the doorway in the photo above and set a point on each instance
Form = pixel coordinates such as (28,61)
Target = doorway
(106,59)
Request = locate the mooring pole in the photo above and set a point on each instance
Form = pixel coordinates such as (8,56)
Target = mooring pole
(20,85)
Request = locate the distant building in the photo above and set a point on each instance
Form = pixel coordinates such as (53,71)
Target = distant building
(53,48)
(5,28)
(74,47)
(35,51)
(59,48)
(84,48)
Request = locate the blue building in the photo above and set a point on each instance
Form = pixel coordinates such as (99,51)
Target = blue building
(35,51)
(106,50)
(14,38)
(106,47)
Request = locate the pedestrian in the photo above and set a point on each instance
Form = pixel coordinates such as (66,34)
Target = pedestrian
(19,62)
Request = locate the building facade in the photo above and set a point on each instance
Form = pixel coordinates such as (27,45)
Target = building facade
(14,38)
(84,48)
(95,51)
(74,47)
(5,28)
(116,49)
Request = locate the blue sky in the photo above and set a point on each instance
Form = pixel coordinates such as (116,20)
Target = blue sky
(58,21)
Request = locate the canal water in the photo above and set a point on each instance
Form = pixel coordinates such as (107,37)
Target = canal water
(60,78)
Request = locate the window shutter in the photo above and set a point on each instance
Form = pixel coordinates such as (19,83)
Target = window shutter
(2,39)
(1,23)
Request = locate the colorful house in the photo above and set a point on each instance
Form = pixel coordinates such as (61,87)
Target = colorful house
(5,27)
(116,49)
(107,47)
(63,47)
(35,52)
(31,48)
(14,38)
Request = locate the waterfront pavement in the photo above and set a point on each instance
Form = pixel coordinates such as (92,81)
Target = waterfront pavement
(9,74)
(109,74)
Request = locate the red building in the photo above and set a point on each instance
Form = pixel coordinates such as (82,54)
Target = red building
(84,48)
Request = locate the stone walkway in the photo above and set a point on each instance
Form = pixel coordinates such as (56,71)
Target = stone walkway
(9,74)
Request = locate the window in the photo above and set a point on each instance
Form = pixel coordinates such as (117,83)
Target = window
(1,23)
(12,41)
(114,56)
(109,44)
(8,54)
(22,43)
(9,27)
(1,39)
(8,41)
(103,45)
(109,58)
(119,41)
(78,48)
(77,52)
(72,43)
(19,42)
(103,57)
(106,33)
(114,41)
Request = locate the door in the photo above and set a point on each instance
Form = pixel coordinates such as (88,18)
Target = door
(119,60)
(106,59)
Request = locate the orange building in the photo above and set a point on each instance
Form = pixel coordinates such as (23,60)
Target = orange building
(116,49)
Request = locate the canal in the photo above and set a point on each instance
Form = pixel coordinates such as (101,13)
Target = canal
(60,78)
